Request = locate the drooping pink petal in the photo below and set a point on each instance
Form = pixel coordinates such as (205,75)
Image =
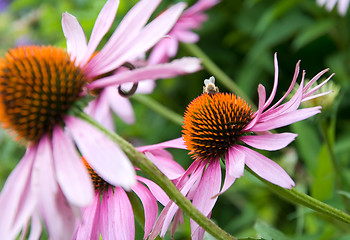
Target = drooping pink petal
(159,224)
(157,191)
(102,154)
(89,228)
(120,105)
(195,177)
(175,68)
(102,25)
(56,212)
(266,168)
(269,142)
(147,38)
(123,215)
(166,164)
(107,216)
(286,119)
(16,200)
(35,227)
(71,172)
(75,36)
(128,29)
(207,190)
(234,167)
(175,143)
(150,207)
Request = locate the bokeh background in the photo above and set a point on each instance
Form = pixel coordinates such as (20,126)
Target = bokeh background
(240,37)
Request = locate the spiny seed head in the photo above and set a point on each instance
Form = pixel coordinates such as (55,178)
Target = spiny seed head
(99,184)
(213,123)
(38,85)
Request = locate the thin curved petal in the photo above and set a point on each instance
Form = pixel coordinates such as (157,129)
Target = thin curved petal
(102,154)
(16,200)
(75,36)
(89,227)
(262,98)
(269,142)
(35,229)
(207,190)
(166,70)
(275,84)
(150,207)
(72,174)
(286,119)
(102,24)
(266,168)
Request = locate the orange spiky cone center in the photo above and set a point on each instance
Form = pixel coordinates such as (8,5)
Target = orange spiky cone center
(38,85)
(213,123)
(98,182)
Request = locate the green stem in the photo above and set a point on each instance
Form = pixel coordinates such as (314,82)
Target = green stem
(217,72)
(294,196)
(140,161)
(157,107)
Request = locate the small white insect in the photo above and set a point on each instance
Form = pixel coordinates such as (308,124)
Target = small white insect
(209,86)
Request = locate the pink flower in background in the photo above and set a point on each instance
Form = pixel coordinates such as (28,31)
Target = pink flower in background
(222,126)
(342,7)
(190,20)
(50,184)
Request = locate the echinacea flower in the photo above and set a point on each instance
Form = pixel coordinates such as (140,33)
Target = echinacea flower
(40,88)
(342,6)
(222,126)
(191,19)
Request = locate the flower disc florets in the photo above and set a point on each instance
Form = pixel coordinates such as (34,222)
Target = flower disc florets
(213,123)
(99,183)
(38,86)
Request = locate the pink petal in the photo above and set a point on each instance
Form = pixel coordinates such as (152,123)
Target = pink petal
(166,165)
(175,143)
(207,190)
(150,207)
(102,25)
(123,215)
(234,167)
(146,87)
(147,38)
(89,228)
(157,192)
(72,174)
(195,177)
(75,36)
(127,31)
(167,70)
(275,84)
(269,142)
(107,215)
(286,119)
(103,155)
(262,98)
(16,200)
(266,168)
(35,229)
(160,222)
(120,105)
(54,208)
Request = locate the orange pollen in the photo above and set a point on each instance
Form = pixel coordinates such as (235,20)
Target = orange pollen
(99,184)
(38,85)
(213,123)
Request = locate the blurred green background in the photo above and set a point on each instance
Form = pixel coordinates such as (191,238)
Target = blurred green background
(241,38)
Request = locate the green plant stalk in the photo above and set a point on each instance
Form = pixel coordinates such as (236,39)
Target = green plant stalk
(294,196)
(217,72)
(157,107)
(140,161)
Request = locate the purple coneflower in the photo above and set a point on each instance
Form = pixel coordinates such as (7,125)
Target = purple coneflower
(222,126)
(40,86)
(192,18)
